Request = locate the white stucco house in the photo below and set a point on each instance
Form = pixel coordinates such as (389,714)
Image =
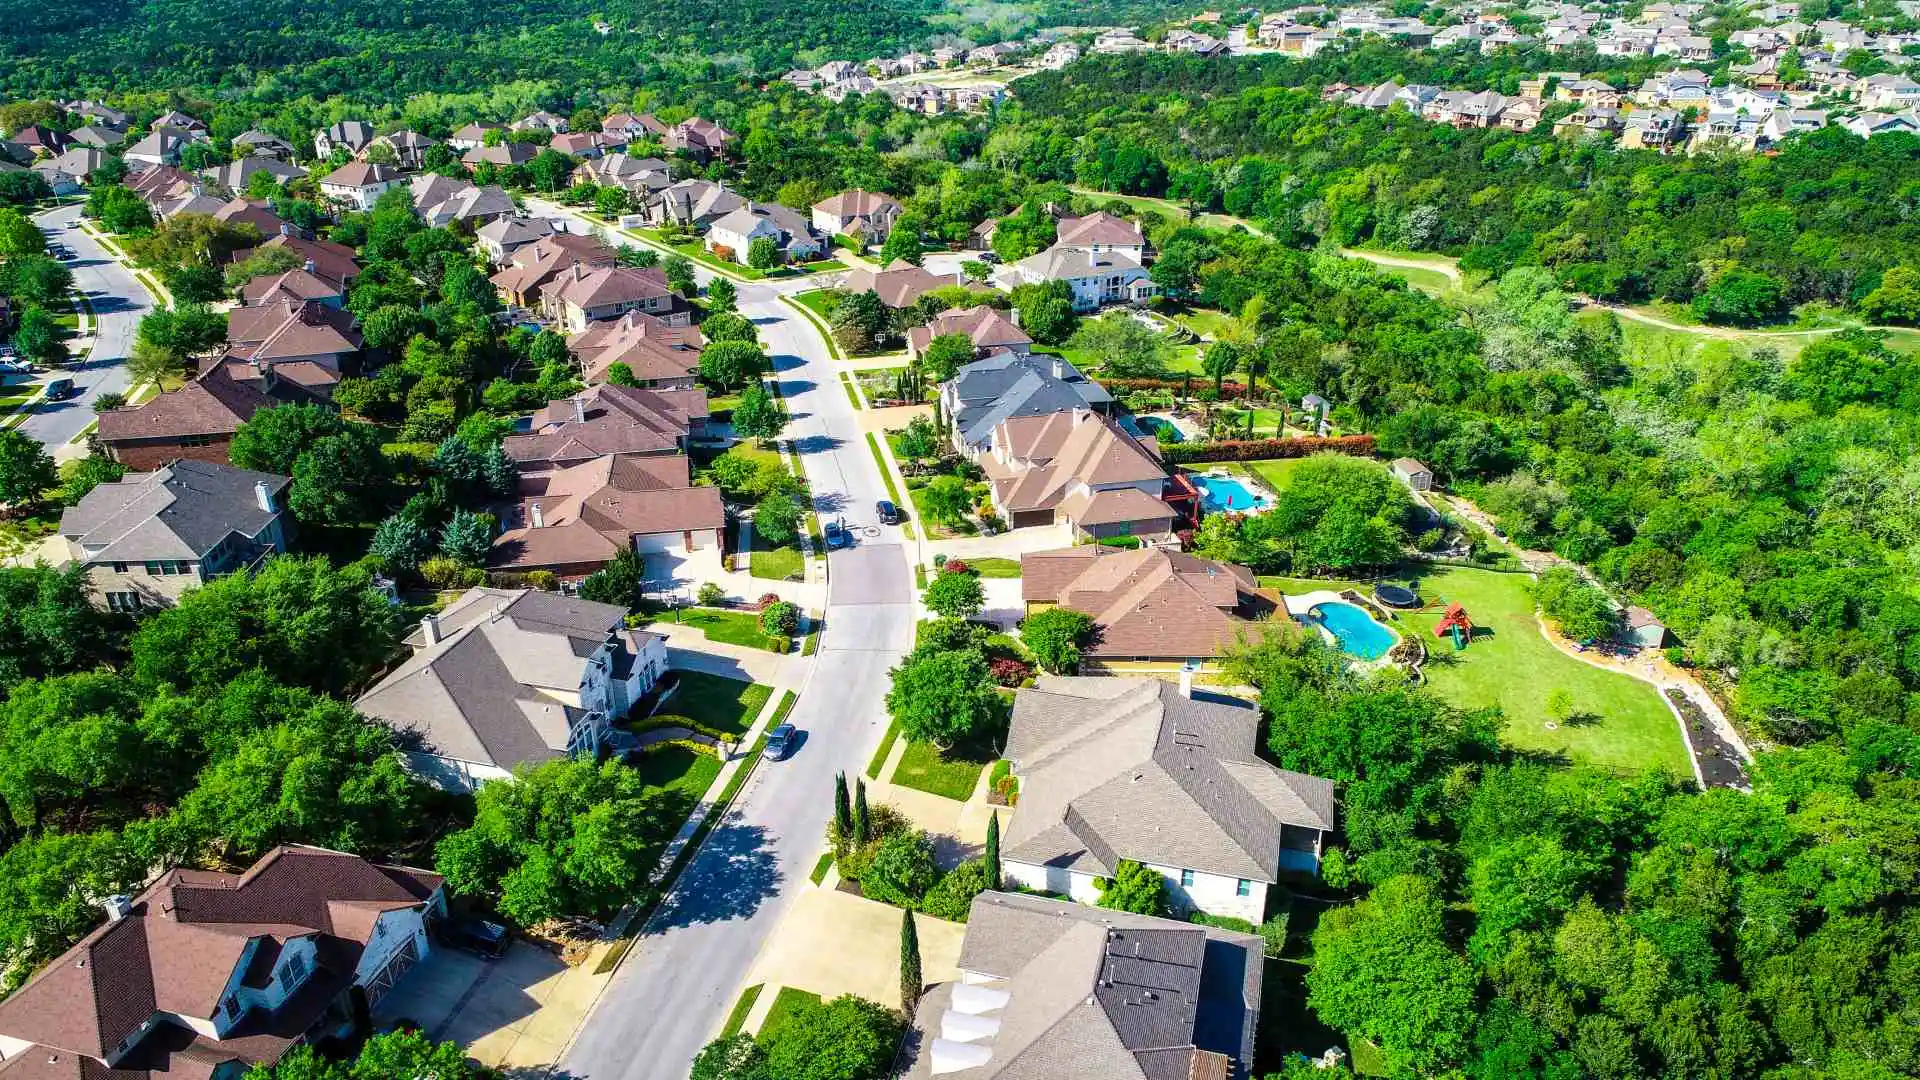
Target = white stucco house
(1142,770)
(793,235)
(510,677)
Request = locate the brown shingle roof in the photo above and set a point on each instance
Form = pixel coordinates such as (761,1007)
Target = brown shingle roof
(213,404)
(589,512)
(650,348)
(607,419)
(1146,602)
(898,286)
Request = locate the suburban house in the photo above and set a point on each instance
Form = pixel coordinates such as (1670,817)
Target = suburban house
(98,136)
(898,286)
(1050,989)
(658,355)
(235,175)
(1097,277)
(697,138)
(1008,384)
(640,176)
(1147,605)
(586,144)
(67,173)
(605,420)
(256,142)
(195,421)
(1079,468)
(694,203)
(1144,770)
(148,537)
(792,235)
(176,118)
(587,294)
(307,343)
(990,329)
(575,519)
(500,155)
(207,974)
(298,285)
(443,200)
(1059,55)
(472,136)
(503,236)
(543,121)
(409,148)
(161,146)
(324,258)
(865,215)
(531,268)
(359,184)
(631,127)
(349,135)
(508,677)
(1101,232)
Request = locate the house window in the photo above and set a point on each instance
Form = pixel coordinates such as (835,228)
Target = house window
(296,969)
(119,568)
(123,601)
(1244,888)
(1186,879)
(153,569)
(196,440)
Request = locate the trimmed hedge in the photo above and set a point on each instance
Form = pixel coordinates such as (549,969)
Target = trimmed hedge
(1265,449)
(1229,391)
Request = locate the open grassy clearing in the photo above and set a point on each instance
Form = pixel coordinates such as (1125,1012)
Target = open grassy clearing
(925,768)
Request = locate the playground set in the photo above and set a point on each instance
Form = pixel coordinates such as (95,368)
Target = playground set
(1457,624)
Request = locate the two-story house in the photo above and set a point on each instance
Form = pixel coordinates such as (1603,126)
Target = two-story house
(149,537)
(1097,276)
(349,135)
(590,294)
(865,215)
(1010,383)
(509,677)
(1147,605)
(1079,469)
(657,354)
(1142,770)
(208,974)
(359,185)
(792,235)
(1056,990)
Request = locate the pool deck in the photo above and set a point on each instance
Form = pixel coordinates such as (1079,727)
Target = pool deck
(1299,606)
(1262,499)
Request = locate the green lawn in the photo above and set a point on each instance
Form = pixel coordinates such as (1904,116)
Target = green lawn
(885,748)
(821,866)
(776,563)
(1510,665)
(685,772)
(846,383)
(1276,471)
(1207,322)
(818,301)
(994,567)
(924,768)
(937,530)
(1266,422)
(785,1004)
(694,250)
(728,627)
(880,460)
(741,1008)
(718,702)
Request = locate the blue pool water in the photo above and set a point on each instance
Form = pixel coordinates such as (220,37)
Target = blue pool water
(1358,633)
(1221,493)
(1152,426)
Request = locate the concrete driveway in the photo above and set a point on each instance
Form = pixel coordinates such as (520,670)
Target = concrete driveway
(515,1011)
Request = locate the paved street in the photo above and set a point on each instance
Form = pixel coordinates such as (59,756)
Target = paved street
(674,989)
(119,303)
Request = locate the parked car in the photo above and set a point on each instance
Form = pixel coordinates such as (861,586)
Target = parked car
(780,742)
(836,535)
(889,513)
(60,390)
(487,940)
(11,366)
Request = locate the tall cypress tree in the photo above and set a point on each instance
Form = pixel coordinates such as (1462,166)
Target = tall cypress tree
(861,823)
(842,814)
(993,851)
(910,983)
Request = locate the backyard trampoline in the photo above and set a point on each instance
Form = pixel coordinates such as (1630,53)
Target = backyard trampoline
(1396,596)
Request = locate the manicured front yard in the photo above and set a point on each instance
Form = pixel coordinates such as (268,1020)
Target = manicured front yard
(818,301)
(726,627)
(992,567)
(925,768)
(786,1004)
(684,772)
(776,563)
(717,702)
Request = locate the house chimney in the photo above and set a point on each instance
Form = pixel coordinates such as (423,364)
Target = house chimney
(263,496)
(1059,368)
(539,518)
(1186,680)
(309,266)
(430,629)
(118,906)
(579,409)
(286,228)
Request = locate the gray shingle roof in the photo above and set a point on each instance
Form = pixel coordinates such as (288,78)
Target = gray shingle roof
(1093,993)
(180,511)
(1132,769)
(1008,384)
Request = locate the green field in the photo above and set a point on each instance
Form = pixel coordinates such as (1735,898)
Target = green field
(924,768)
(1207,322)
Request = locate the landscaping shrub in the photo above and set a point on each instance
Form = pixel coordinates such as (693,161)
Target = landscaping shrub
(1266,449)
(765,599)
(444,573)
(882,821)
(1009,672)
(667,720)
(1228,390)
(953,894)
(780,618)
(902,870)
(956,566)
(710,594)
(1128,542)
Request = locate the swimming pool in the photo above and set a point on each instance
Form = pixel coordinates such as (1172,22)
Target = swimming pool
(1221,493)
(1152,426)
(1359,633)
